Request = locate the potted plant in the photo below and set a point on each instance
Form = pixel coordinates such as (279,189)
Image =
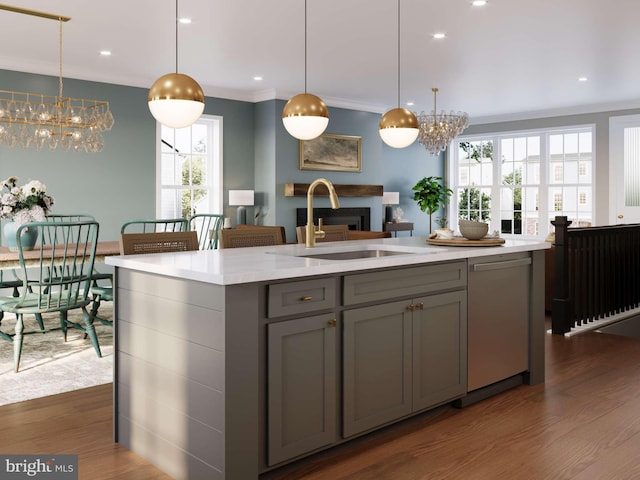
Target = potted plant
(431,194)
(29,203)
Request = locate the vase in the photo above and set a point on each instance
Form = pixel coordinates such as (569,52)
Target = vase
(28,238)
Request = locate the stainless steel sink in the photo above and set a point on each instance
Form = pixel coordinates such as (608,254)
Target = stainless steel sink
(355,254)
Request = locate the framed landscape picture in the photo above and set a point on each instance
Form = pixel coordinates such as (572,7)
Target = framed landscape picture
(337,153)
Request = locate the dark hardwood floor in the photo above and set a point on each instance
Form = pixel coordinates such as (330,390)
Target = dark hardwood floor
(582,424)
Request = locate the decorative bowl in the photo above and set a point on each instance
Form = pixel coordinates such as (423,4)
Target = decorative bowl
(473,230)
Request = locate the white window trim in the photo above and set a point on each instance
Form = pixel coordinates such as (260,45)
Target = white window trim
(452,166)
(216,171)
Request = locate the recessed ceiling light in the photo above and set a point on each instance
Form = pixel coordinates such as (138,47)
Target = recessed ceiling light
(257,78)
(583,79)
(438,36)
(410,104)
(479,3)
(185,21)
(105,53)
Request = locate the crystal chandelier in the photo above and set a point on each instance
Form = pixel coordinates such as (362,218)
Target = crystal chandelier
(38,120)
(438,130)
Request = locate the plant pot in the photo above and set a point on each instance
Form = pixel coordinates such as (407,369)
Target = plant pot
(444,233)
(28,238)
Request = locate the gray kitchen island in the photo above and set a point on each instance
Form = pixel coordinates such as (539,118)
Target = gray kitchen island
(232,363)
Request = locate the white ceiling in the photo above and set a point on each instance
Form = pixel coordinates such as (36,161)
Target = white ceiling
(510,59)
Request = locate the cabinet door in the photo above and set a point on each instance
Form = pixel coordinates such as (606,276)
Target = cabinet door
(376,366)
(439,349)
(301,373)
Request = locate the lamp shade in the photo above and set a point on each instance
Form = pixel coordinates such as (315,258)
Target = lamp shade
(176,100)
(398,128)
(241,198)
(305,116)
(390,198)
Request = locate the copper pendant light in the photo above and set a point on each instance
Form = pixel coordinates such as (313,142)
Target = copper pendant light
(176,100)
(305,116)
(398,127)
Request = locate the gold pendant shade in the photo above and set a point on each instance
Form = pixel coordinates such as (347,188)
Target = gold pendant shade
(305,116)
(398,127)
(176,100)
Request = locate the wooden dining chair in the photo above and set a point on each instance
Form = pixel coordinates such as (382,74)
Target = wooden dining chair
(332,233)
(268,227)
(155,225)
(71,250)
(208,226)
(139,244)
(158,242)
(251,237)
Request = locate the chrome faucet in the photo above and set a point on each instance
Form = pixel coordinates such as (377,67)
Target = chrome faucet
(311,232)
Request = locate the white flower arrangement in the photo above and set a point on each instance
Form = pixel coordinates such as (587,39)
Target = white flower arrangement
(25,204)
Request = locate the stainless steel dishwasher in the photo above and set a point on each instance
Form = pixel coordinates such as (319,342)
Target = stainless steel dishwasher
(498,318)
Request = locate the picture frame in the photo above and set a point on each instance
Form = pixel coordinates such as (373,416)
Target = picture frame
(330,152)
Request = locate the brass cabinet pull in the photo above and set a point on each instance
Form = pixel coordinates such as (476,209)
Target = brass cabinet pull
(306,298)
(620,216)
(411,307)
(420,306)
(333,322)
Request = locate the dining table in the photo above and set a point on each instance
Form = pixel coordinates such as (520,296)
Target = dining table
(10,260)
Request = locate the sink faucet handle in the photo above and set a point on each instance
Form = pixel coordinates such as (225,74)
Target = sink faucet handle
(319,233)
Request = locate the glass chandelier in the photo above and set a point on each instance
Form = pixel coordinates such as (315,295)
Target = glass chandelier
(38,120)
(437,130)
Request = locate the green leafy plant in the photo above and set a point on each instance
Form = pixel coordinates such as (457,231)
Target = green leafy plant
(431,194)
(441,221)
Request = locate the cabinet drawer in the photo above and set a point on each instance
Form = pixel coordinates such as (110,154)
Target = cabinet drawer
(301,297)
(367,287)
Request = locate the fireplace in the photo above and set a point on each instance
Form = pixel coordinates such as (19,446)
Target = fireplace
(356,218)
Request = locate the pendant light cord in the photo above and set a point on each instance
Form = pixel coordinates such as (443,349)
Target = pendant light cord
(60,113)
(60,65)
(305,46)
(398,53)
(176,36)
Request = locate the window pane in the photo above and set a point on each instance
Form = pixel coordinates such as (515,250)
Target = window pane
(199,138)
(188,167)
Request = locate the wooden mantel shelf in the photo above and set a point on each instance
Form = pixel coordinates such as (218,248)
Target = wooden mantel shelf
(300,190)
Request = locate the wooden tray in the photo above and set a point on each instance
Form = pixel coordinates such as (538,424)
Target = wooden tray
(463,242)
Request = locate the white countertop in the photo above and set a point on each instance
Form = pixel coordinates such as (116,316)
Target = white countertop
(257,264)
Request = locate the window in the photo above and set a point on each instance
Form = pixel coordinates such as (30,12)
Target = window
(539,175)
(190,169)
(582,198)
(557,173)
(557,202)
(475,180)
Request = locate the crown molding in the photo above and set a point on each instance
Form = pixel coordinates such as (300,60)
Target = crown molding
(557,112)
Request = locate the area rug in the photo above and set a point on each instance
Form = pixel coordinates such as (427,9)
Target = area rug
(49,365)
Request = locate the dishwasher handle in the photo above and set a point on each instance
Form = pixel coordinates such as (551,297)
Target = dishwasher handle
(481,267)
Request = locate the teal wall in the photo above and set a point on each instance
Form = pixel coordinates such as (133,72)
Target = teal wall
(118,184)
(395,169)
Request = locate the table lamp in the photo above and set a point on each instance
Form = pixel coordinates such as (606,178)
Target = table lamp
(241,199)
(388,199)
